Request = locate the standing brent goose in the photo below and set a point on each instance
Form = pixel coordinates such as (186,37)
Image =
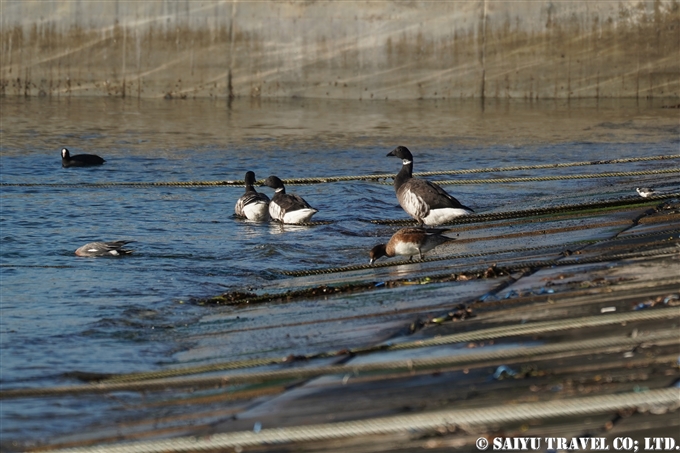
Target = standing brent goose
(79,160)
(252,205)
(114,248)
(410,242)
(287,208)
(426,202)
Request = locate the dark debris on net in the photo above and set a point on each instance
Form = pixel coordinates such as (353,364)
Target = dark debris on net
(242,298)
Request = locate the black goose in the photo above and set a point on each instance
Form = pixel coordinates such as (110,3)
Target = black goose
(287,208)
(423,200)
(252,205)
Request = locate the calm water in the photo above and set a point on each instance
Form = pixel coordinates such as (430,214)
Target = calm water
(61,313)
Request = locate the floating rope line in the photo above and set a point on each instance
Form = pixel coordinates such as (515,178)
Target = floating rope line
(127,184)
(381,264)
(618,174)
(304,224)
(415,364)
(153,381)
(520,265)
(402,262)
(624,160)
(473,218)
(465,418)
(313,180)
(358,267)
(327,179)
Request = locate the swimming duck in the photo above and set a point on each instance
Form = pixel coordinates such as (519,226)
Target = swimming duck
(114,248)
(79,160)
(423,200)
(410,242)
(252,205)
(287,208)
(645,192)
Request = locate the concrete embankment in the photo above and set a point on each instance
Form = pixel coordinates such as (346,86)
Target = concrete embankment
(344,50)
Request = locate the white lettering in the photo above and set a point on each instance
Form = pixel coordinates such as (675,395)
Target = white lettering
(599,443)
(517,443)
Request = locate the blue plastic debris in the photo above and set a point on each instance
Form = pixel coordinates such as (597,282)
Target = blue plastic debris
(487,296)
(643,305)
(503,371)
(511,293)
(379,284)
(544,290)
(257,428)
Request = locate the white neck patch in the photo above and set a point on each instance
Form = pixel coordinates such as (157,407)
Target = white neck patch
(406,161)
(280,189)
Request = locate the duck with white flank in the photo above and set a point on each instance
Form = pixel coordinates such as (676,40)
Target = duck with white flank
(79,160)
(287,208)
(410,242)
(252,205)
(423,200)
(114,248)
(645,192)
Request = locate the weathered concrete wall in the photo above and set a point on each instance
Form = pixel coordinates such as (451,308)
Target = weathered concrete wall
(354,50)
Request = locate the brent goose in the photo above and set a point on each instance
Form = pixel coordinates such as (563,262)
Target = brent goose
(410,242)
(114,248)
(645,191)
(252,205)
(79,160)
(426,202)
(287,208)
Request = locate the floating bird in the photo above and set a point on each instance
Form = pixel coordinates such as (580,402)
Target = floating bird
(252,205)
(423,200)
(114,248)
(645,191)
(410,242)
(79,160)
(287,208)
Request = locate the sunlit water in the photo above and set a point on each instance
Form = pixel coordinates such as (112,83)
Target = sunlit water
(62,313)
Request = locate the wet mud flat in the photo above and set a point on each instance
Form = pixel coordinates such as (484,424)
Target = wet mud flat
(561,325)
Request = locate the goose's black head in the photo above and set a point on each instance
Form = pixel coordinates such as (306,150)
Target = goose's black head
(250,179)
(65,154)
(275,183)
(401,152)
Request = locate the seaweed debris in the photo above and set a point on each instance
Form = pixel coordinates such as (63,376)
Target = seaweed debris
(243,298)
